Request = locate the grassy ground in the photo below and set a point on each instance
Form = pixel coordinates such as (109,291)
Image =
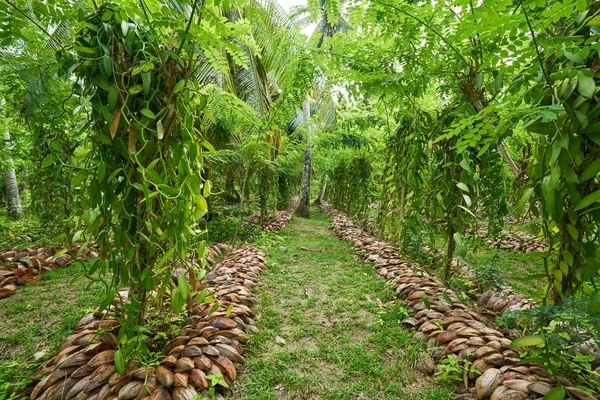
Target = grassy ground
(30,230)
(512,268)
(340,323)
(37,317)
(509,267)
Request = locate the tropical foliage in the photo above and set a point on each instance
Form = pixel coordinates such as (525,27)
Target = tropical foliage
(138,125)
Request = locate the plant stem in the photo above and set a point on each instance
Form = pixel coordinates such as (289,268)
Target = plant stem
(427,26)
(537,50)
(187,28)
(35,23)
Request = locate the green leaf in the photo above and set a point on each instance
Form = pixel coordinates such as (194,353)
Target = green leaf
(573,231)
(545,128)
(179,86)
(525,197)
(426,302)
(165,257)
(48,160)
(183,285)
(202,296)
(525,341)
(168,190)
(120,361)
(146,80)
(595,21)
(202,103)
(101,171)
(107,62)
(548,193)
(590,269)
(194,184)
(585,83)
(479,80)
(591,171)
(177,300)
(147,113)
(584,359)
(557,393)
(467,210)
(448,299)
(154,176)
(124,27)
(465,165)
(549,114)
(78,179)
(588,200)
(467,200)
(498,82)
(113,95)
(135,89)
(462,187)
(214,308)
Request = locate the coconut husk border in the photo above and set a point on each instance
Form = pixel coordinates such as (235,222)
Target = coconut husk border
(451,327)
(25,265)
(209,343)
(279,220)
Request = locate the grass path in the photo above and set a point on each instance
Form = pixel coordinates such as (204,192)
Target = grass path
(38,317)
(341,325)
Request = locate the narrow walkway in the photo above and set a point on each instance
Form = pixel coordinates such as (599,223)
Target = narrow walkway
(340,324)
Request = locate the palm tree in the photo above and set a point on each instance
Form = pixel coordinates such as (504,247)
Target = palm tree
(13,200)
(270,84)
(330,21)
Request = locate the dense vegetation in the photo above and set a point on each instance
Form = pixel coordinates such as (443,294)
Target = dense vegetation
(153,128)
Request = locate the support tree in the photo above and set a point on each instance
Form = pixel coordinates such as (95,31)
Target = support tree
(13,200)
(303,205)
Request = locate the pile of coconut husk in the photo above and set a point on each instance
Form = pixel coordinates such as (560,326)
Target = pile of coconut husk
(497,300)
(516,241)
(213,253)
(209,343)
(24,265)
(278,221)
(450,327)
(509,240)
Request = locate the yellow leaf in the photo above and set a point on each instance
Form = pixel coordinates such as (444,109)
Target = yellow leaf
(114,123)
(594,21)
(160,129)
(133,137)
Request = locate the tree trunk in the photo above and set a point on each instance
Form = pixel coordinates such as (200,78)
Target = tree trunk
(449,253)
(403,201)
(235,235)
(322,191)
(511,164)
(303,205)
(13,200)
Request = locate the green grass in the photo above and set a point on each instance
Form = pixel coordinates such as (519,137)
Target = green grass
(341,325)
(37,317)
(512,268)
(15,233)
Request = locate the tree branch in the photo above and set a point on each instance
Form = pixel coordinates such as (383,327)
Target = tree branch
(13,5)
(187,28)
(537,50)
(427,26)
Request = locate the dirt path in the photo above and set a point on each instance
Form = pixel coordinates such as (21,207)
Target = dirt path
(340,324)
